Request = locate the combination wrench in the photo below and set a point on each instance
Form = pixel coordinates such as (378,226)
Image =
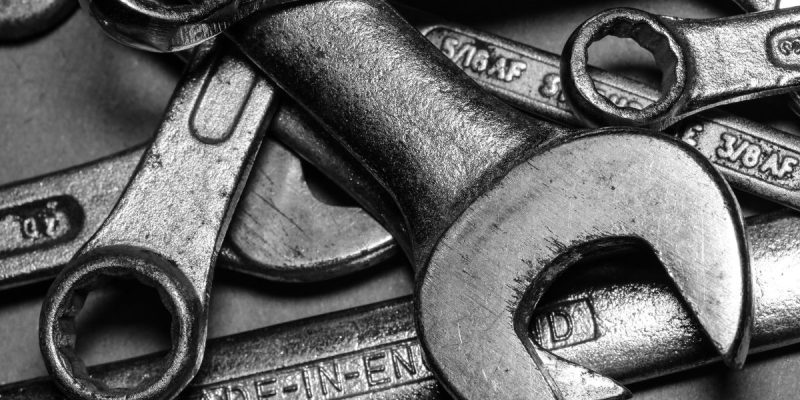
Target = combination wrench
(167,226)
(622,318)
(444,150)
(752,157)
(704,62)
(280,230)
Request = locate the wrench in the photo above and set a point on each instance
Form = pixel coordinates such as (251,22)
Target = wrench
(168,224)
(766,5)
(21,20)
(626,321)
(705,63)
(435,168)
(751,156)
(280,231)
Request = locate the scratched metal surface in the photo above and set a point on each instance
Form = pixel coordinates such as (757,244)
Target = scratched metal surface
(74,96)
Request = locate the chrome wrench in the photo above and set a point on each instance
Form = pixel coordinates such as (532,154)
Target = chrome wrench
(752,157)
(705,62)
(168,224)
(618,318)
(20,20)
(280,230)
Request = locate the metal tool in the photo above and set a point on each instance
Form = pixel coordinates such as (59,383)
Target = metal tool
(705,63)
(280,231)
(620,317)
(168,225)
(435,167)
(767,5)
(752,157)
(21,20)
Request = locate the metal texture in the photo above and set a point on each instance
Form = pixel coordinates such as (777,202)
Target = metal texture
(704,62)
(168,225)
(619,316)
(752,157)
(766,5)
(164,27)
(434,140)
(280,231)
(23,19)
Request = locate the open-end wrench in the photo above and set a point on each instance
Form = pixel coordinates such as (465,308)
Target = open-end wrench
(753,157)
(704,62)
(436,142)
(23,19)
(619,318)
(167,227)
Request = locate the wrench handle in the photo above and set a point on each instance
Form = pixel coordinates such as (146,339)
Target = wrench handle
(426,132)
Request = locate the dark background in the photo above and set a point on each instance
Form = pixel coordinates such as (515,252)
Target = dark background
(74,95)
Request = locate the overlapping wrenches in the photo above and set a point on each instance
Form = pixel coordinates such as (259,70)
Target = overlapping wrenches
(752,157)
(704,62)
(436,161)
(168,225)
(280,231)
(621,318)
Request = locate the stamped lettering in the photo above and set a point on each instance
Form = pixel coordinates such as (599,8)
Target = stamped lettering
(735,150)
(39,224)
(358,373)
(564,324)
(783,47)
(483,59)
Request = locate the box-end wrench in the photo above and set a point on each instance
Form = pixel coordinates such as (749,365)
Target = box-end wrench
(168,225)
(622,318)
(704,62)
(752,157)
(436,142)
(21,20)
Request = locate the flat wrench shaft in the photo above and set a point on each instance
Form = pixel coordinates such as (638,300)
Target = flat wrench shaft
(616,318)
(752,157)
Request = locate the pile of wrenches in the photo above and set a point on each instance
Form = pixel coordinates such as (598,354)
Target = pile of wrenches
(525,232)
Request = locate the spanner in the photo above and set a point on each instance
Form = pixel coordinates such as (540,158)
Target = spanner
(766,5)
(436,142)
(619,318)
(752,157)
(704,62)
(168,225)
(21,20)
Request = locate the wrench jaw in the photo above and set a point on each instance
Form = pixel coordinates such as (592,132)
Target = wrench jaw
(650,33)
(496,261)
(68,293)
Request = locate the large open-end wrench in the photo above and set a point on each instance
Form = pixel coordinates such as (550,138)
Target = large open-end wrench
(622,318)
(705,62)
(168,225)
(437,143)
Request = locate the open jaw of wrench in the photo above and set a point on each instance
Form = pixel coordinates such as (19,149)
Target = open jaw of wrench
(21,20)
(704,62)
(390,114)
(622,318)
(168,225)
(752,157)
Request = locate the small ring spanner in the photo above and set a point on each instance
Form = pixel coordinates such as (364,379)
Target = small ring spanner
(168,225)
(21,20)
(704,62)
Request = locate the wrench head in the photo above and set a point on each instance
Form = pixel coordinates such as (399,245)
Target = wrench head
(284,233)
(649,32)
(602,190)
